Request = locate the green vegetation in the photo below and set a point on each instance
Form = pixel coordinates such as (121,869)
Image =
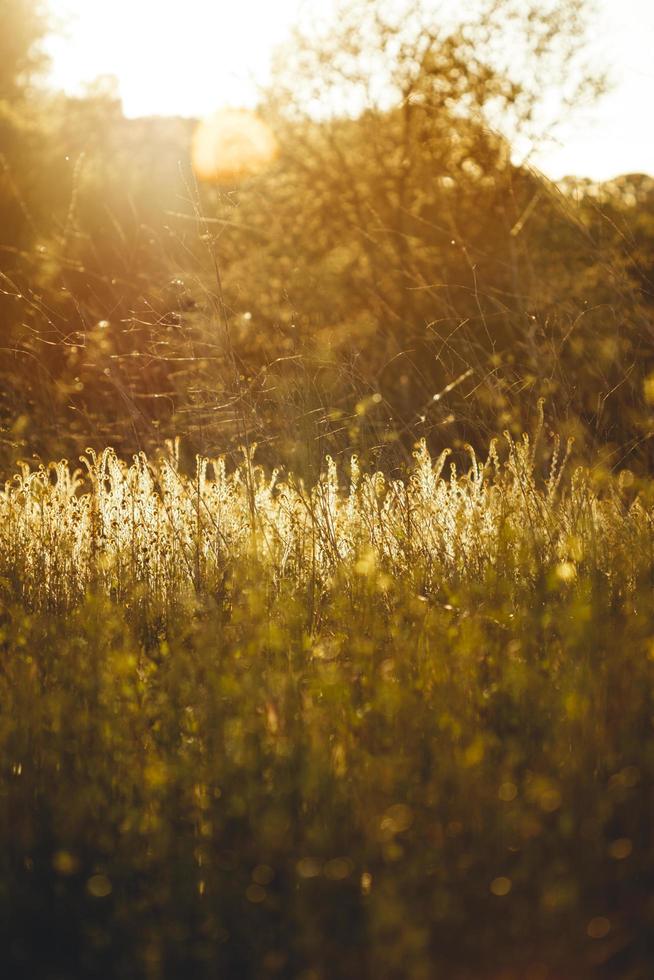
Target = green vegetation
(390,730)
(385,711)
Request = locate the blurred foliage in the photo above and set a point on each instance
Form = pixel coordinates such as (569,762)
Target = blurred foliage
(457,786)
(394,274)
(258,725)
(399,730)
(24,23)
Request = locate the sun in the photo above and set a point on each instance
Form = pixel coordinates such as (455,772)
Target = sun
(232,144)
(190,58)
(170,58)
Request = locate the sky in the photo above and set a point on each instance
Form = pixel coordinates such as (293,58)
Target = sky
(191,58)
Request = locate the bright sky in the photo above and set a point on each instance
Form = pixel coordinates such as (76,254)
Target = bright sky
(189,58)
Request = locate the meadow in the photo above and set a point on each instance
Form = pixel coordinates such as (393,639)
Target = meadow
(333,657)
(370,728)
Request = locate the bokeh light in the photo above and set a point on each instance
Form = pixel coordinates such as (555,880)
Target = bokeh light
(231,145)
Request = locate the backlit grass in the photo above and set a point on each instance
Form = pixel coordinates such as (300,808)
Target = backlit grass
(366,729)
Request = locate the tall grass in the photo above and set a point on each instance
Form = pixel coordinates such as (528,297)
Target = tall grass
(117,528)
(371,728)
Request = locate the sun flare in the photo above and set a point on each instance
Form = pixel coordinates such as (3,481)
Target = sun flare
(232,144)
(173,59)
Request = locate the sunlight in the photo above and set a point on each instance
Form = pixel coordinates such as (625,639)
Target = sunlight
(170,58)
(232,144)
(189,59)
(326,489)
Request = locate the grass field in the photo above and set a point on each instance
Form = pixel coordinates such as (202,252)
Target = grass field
(369,729)
(287,688)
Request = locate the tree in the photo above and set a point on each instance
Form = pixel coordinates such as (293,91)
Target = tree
(408,227)
(23,26)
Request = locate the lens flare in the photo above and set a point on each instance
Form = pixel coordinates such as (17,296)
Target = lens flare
(231,145)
